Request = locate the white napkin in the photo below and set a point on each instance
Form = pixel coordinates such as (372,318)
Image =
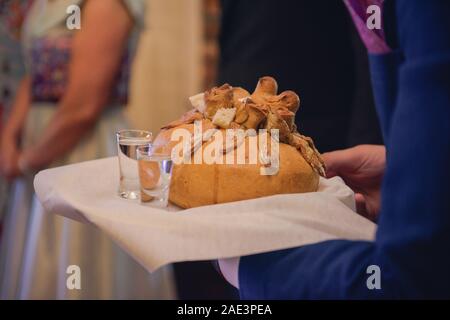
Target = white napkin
(87,192)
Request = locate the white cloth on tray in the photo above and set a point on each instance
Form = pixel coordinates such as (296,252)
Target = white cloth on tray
(155,237)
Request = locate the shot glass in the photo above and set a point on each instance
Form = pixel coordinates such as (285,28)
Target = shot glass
(128,142)
(155,174)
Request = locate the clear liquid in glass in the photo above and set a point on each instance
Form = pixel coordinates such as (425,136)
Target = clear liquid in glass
(155,172)
(129,177)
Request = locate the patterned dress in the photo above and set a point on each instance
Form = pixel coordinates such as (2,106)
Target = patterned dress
(11,70)
(37,248)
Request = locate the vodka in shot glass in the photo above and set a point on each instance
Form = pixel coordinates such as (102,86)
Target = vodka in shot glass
(155,173)
(128,141)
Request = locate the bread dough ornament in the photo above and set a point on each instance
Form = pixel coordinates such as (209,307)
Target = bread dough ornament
(232,108)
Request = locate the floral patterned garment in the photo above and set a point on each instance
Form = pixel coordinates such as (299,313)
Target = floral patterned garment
(48,46)
(49,64)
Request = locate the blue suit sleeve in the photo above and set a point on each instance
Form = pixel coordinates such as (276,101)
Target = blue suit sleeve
(413,239)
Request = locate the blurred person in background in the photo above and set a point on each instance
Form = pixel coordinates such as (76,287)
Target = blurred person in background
(67,109)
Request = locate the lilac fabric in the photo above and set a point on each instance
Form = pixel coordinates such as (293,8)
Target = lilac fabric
(374,40)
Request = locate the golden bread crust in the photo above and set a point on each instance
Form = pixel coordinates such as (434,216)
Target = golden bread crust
(203,184)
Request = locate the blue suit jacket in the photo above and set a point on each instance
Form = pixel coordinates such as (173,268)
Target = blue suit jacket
(412,246)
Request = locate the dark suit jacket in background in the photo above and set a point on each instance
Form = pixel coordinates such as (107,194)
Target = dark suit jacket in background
(311,48)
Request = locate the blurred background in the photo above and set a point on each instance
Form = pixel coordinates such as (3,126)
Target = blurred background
(11,71)
(187,46)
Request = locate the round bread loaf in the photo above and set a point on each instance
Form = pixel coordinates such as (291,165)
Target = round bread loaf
(196,185)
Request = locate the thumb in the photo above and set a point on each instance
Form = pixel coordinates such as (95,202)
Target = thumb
(344,161)
(336,162)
